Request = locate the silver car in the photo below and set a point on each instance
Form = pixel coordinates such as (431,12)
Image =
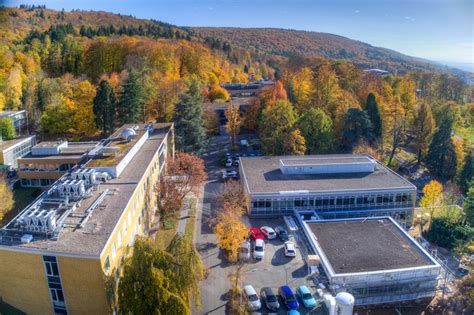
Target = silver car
(269,298)
(252,298)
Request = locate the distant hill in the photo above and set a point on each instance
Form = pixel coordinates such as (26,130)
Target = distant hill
(283,42)
(260,41)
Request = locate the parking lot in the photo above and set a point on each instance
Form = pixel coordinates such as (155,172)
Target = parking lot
(273,271)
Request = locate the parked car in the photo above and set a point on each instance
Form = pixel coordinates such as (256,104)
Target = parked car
(256,234)
(268,232)
(229,174)
(228,163)
(244,251)
(288,297)
(293,312)
(269,298)
(290,250)
(282,233)
(236,163)
(259,249)
(306,297)
(252,298)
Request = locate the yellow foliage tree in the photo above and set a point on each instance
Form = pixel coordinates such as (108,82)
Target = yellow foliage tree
(6,198)
(218,93)
(83,114)
(433,197)
(301,85)
(230,230)
(233,121)
(13,90)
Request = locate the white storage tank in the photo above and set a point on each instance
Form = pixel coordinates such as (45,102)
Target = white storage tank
(330,303)
(344,303)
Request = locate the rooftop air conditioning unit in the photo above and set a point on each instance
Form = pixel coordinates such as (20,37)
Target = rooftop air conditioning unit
(26,238)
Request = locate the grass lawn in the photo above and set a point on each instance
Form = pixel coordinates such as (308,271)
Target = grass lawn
(22,196)
(166,233)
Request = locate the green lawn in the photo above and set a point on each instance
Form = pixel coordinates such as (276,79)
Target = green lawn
(166,233)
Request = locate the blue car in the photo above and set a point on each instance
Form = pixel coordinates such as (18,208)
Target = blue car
(305,295)
(293,312)
(289,299)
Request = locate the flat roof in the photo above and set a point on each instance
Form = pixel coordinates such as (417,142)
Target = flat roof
(363,245)
(263,175)
(91,239)
(7,144)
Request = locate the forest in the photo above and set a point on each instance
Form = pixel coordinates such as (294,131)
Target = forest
(81,74)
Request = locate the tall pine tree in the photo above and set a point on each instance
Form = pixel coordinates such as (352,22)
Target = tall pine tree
(357,127)
(467,171)
(190,134)
(131,104)
(372,110)
(441,158)
(104,108)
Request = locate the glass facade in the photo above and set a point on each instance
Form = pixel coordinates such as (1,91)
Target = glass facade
(396,204)
(54,284)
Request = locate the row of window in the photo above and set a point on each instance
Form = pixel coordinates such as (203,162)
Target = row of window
(405,288)
(333,202)
(27,182)
(54,284)
(46,167)
(19,151)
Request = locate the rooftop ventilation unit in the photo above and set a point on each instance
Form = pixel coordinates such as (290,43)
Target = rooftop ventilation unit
(71,188)
(35,220)
(327,165)
(88,175)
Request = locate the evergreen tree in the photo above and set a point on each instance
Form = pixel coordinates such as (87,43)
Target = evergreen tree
(190,134)
(423,128)
(104,108)
(40,96)
(372,110)
(441,158)
(469,204)
(465,176)
(357,127)
(317,129)
(132,102)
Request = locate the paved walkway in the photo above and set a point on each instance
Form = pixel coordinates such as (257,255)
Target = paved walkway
(183,218)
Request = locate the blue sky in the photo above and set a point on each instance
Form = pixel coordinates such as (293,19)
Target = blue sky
(434,29)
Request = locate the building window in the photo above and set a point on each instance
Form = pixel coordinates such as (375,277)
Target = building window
(114,251)
(107,264)
(119,239)
(54,284)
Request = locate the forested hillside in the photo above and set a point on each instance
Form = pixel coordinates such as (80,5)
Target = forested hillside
(283,42)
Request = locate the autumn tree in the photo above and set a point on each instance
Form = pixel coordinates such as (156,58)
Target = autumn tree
(131,104)
(14,84)
(465,176)
(104,108)
(230,230)
(396,131)
(7,129)
(232,125)
(210,119)
(317,129)
(251,116)
(300,89)
(83,113)
(294,143)
(6,197)
(190,135)
(57,118)
(157,281)
(276,126)
(184,174)
(357,127)
(433,197)
(441,157)
(270,96)
(232,192)
(218,93)
(326,93)
(373,112)
(423,127)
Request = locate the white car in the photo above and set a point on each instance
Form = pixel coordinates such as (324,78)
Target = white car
(259,249)
(244,251)
(252,298)
(290,250)
(228,163)
(268,232)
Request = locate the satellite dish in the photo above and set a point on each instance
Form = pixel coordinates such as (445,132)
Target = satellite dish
(128,134)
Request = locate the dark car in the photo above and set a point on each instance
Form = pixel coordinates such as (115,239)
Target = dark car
(269,298)
(282,233)
(288,297)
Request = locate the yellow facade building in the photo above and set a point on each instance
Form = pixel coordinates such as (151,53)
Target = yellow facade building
(60,253)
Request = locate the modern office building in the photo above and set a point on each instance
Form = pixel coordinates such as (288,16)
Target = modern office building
(335,186)
(50,160)
(374,259)
(57,254)
(12,150)
(18,118)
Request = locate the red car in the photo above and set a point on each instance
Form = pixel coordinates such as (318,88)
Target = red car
(256,234)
